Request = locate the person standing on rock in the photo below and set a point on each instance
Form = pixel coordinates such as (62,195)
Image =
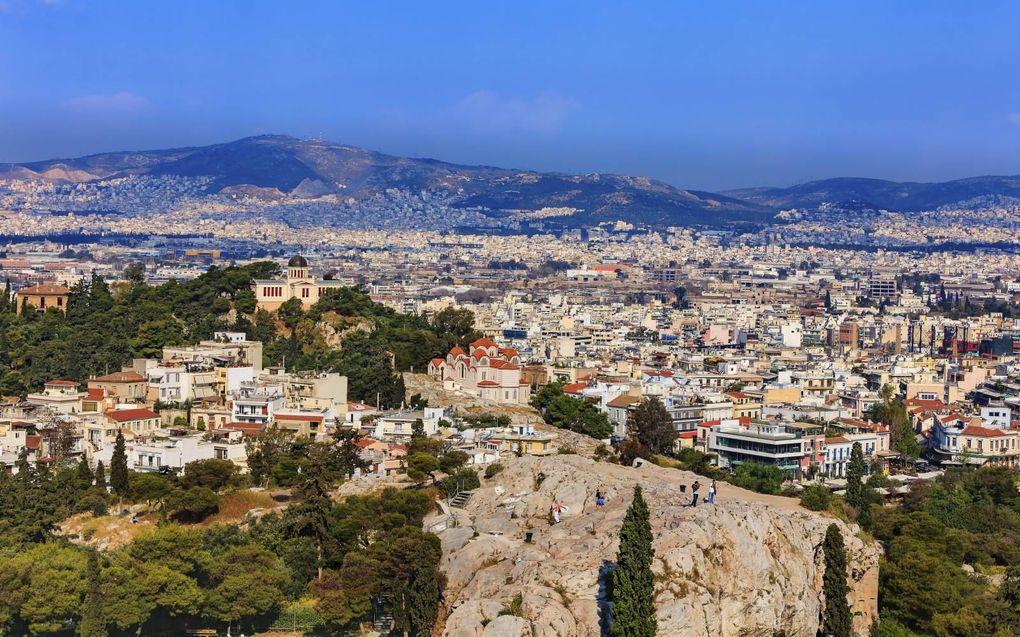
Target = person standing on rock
(600,500)
(711,494)
(695,490)
(556,509)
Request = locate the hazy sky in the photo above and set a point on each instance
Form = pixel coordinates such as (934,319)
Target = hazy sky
(706,95)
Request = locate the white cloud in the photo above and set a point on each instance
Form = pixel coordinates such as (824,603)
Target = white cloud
(545,113)
(122,101)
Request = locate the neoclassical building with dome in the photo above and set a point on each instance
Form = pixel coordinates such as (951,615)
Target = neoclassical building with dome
(270,294)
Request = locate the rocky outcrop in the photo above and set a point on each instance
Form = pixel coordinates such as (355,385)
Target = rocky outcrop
(749,566)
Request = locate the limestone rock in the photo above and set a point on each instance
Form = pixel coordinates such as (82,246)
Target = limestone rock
(748,566)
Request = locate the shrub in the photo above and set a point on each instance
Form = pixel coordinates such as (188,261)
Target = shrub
(763,478)
(514,607)
(493,470)
(94,501)
(191,505)
(815,497)
(213,474)
(462,480)
(604,454)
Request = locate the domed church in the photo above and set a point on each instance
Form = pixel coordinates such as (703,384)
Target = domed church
(270,294)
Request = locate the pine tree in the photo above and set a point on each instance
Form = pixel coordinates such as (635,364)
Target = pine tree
(119,467)
(836,621)
(632,587)
(653,427)
(92,623)
(100,476)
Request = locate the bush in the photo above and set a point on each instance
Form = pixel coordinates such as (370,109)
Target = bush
(493,470)
(191,505)
(462,480)
(604,454)
(698,461)
(878,480)
(815,497)
(763,478)
(93,501)
(212,474)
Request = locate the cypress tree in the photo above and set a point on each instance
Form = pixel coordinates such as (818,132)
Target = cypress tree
(100,476)
(84,475)
(92,623)
(855,496)
(119,467)
(632,587)
(836,621)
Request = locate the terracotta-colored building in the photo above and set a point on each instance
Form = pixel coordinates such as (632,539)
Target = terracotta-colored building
(43,297)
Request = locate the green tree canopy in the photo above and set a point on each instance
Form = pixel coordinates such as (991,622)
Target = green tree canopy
(632,585)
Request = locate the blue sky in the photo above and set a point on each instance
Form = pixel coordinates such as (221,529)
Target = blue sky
(702,95)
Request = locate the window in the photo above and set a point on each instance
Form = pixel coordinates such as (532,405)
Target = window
(305,292)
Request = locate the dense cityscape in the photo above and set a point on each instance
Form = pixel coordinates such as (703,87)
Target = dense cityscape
(774,368)
(654,319)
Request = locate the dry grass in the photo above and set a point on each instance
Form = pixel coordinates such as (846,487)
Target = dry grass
(113,531)
(106,531)
(235,505)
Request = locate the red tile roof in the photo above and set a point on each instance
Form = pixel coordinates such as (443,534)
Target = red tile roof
(981,432)
(246,428)
(63,383)
(624,400)
(45,288)
(127,415)
(484,342)
(487,383)
(498,364)
(121,377)
(574,388)
(95,393)
(300,417)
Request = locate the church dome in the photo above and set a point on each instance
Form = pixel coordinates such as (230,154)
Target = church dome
(297,261)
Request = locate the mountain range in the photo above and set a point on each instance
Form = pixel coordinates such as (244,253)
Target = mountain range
(275,166)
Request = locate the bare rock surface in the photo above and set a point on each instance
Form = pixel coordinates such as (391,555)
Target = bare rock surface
(749,566)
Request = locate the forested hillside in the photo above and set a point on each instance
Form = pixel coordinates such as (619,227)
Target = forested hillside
(106,326)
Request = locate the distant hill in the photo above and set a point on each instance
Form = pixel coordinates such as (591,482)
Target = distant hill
(274,166)
(878,193)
